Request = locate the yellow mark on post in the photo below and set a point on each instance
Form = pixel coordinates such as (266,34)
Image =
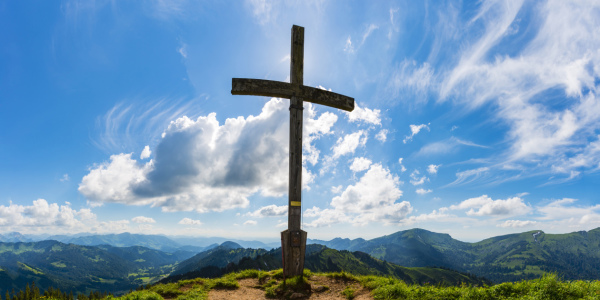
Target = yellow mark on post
(296,203)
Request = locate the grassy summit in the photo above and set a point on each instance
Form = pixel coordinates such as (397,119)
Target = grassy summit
(254,284)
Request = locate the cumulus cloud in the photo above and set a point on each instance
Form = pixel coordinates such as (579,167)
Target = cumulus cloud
(337,189)
(250,223)
(432,169)
(58,219)
(416,179)
(402,167)
(360,164)
(146,152)
(349,143)
(516,224)
(41,213)
(382,135)
(313,129)
(566,209)
(435,215)
(485,206)
(142,219)
(188,221)
(366,115)
(423,191)
(372,199)
(414,130)
(269,211)
(204,166)
(325,217)
(65,178)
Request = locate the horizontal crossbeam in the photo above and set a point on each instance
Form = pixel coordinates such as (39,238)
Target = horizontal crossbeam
(270,88)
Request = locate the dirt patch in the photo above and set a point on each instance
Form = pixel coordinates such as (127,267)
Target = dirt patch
(249,289)
(323,288)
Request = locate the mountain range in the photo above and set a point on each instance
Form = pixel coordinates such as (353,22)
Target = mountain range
(123,261)
(509,257)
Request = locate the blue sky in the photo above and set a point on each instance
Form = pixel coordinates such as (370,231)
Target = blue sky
(472,118)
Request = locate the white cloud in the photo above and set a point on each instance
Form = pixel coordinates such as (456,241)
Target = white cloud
(469,175)
(565,209)
(447,146)
(414,130)
(366,115)
(516,224)
(183,51)
(349,143)
(40,213)
(432,169)
(485,206)
(410,80)
(188,221)
(348,47)
(146,152)
(42,216)
(325,217)
(263,10)
(558,60)
(202,165)
(368,32)
(269,211)
(65,178)
(423,191)
(372,199)
(402,168)
(337,189)
(250,223)
(360,164)
(142,219)
(435,215)
(313,129)
(382,135)
(416,180)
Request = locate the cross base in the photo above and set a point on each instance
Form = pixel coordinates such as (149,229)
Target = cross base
(293,247)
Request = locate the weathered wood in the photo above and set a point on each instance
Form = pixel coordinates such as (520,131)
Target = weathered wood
(261,87)
(326,98)
(271,88)
(296,118)
(293,240)
(293,247)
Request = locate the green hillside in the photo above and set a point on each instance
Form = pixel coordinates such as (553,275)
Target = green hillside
(81,269)
(322,259)
(510,257)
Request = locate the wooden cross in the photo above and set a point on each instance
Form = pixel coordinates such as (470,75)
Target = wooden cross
(293,240)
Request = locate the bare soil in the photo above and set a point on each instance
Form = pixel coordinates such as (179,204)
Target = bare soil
(322,288)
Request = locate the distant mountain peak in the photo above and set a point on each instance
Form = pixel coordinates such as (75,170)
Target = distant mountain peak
(231,245)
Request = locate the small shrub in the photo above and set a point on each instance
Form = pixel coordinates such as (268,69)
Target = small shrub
(224,283)
(197,294)
(342,276)
(142,295)
(169,290)
(348,293)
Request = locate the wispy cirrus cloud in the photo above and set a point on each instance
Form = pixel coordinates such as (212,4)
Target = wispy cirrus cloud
(560,59)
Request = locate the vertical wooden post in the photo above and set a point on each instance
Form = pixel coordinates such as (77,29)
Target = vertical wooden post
(293,240)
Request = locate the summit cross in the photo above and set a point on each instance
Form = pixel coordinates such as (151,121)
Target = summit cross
(293,240)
